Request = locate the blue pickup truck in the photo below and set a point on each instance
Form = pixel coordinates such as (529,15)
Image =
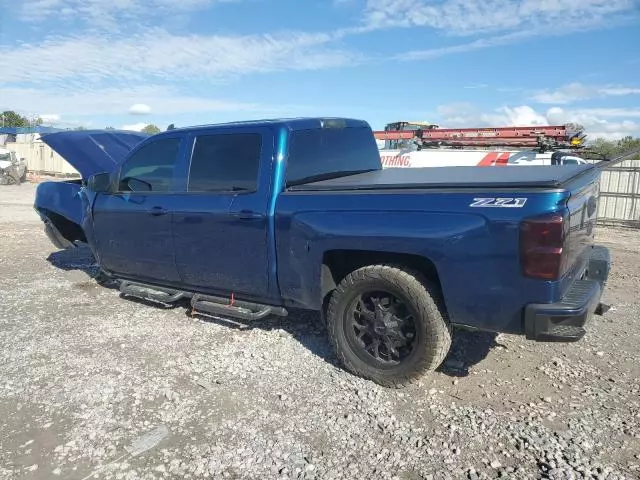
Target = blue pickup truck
(251,219)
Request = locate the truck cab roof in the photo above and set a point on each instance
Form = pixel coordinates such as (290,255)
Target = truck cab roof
(291,124)
(95,151)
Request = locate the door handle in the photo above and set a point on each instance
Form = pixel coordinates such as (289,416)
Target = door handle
(157,211)
(247,215)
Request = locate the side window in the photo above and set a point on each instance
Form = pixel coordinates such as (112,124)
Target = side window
(150,169)
(225,162)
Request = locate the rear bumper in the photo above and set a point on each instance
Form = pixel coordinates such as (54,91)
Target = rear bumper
(566,320)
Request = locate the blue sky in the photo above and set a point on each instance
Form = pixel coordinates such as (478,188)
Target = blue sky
(126,63)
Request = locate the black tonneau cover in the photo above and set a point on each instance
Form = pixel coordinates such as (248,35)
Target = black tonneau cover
(529,176)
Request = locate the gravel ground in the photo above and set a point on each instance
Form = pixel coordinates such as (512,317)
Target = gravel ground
(97,386)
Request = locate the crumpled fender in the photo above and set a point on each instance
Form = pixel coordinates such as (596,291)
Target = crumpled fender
(63,198)
(73,202)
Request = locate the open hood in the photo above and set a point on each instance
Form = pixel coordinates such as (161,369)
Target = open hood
(93,151)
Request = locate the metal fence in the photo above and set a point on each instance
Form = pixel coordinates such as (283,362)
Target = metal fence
(41,159)
(619,201)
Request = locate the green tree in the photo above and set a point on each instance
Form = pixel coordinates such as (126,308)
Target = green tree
(151,129)
(603,147)
(628,143)
(10,118)
(612,149)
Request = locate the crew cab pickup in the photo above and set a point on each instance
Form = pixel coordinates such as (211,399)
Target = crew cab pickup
(251,219)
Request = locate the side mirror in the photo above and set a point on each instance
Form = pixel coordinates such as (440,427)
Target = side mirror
(137,185)
(99,183)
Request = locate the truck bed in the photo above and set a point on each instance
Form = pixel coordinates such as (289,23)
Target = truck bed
(534,176)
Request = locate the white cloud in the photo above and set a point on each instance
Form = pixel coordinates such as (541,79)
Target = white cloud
(59,121)
(167,101)
(522,115)
(139,109)
(107,13)
(608,123)
(561,28)
(98,57)
(502,22)
(136,127)
(611,124)
(467,17)
(467,115)
(577,91)
(611,112)
(49,117)
(462,115)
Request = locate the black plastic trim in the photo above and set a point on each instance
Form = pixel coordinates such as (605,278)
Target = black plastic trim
(54,235)
(566,320)
(398,179)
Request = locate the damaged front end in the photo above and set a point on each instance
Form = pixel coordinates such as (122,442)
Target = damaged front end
(60,207)
(65,206)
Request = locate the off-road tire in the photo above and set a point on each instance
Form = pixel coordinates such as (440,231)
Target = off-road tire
(434,338)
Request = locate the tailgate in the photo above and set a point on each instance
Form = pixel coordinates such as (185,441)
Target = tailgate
(583,213)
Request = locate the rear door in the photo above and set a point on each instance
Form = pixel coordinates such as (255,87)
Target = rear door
(133,227)
(220,218)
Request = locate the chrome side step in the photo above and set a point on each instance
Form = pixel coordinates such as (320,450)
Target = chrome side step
(150,292)
(206,304)
(237,309)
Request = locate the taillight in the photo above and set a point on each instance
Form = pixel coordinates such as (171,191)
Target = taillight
(542,246)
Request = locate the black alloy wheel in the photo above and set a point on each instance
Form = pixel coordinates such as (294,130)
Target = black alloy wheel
(388,324)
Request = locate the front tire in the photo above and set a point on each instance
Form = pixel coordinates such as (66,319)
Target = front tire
(388,324)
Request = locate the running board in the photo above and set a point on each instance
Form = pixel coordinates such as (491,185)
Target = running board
(238,309)
(150,292)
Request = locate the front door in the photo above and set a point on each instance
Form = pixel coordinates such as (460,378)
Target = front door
(133,227)
(220,221)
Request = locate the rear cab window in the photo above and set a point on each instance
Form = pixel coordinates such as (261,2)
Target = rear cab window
(322,153)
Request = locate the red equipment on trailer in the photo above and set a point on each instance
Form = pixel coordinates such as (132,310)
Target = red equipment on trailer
(423,135)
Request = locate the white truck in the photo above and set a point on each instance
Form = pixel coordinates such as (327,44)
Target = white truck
(466,158)
(418,145)
(13,170)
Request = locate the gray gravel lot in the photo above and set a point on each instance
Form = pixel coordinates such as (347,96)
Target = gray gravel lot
(85,374)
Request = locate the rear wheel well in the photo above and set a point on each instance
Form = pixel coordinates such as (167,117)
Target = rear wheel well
(337,264)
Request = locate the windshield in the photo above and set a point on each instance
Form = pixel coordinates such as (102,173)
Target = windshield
(5,156)
(323,153)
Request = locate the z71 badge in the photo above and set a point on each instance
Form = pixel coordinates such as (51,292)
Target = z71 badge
(499,202)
